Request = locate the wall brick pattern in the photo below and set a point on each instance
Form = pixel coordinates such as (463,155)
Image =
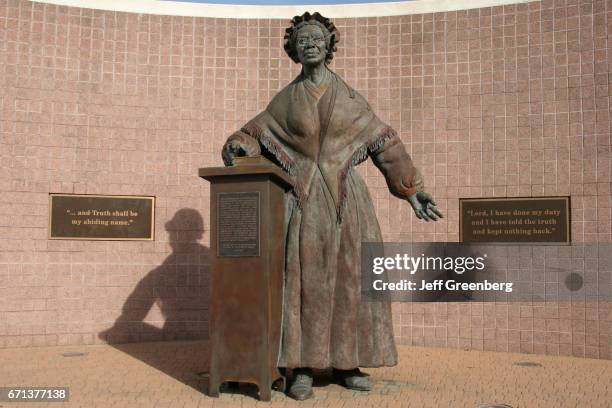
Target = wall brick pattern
(493,102)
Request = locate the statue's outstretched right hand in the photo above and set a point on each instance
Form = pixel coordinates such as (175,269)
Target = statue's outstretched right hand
(424,206)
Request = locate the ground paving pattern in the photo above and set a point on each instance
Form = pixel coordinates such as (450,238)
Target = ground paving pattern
(170,374)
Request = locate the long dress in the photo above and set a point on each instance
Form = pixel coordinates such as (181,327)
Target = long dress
(318,134)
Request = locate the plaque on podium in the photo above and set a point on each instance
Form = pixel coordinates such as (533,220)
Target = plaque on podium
(247,261)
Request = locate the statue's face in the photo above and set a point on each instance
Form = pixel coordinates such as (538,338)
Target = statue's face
(310,45)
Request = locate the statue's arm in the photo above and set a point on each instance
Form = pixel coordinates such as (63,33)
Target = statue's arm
(403,178)
(239,144)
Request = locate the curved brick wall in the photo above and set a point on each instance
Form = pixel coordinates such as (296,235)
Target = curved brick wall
(503,101)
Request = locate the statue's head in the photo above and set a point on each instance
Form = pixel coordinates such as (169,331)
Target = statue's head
(310,38)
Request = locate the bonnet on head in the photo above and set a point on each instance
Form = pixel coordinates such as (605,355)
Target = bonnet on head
(332,36)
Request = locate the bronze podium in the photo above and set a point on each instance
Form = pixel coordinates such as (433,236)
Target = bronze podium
(247,261)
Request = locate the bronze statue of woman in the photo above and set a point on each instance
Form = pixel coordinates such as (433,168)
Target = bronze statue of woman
(318,129)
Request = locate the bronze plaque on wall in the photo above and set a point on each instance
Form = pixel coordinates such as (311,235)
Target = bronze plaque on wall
(101,217)
(238,224)
(522,220)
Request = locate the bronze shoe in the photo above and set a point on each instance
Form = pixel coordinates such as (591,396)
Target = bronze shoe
(301,388)
(353,379)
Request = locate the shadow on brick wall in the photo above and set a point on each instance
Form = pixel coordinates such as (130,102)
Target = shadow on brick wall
(178,288)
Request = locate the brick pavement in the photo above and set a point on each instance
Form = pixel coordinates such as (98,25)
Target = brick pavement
(166,375)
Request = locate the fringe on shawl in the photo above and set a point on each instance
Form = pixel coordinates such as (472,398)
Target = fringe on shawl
(280,155)
(360,155)
(386,134)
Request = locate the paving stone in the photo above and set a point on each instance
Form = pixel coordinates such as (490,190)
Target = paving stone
(167,375)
